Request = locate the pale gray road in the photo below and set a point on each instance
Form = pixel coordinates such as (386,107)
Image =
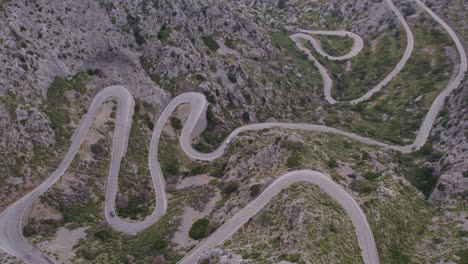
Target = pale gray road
(13,218)
(358,43)
(327,81)
(363,230)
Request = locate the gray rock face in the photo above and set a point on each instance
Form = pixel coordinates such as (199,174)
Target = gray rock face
(9,133)
(451,130)
(222,257)
(365,17)
(24,128)
(61,38)
(34,125)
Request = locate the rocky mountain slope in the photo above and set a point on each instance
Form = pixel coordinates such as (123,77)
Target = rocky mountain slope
(56,54)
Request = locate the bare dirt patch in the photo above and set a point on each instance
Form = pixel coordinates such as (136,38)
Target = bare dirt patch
(97,131)
(42,211)
(198,180)
(190,215)
(62,245)
(182,112)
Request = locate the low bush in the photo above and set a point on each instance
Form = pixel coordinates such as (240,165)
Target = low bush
(232,77)
(294,160)
(255,190)
(176,123)
(230,187)
(370,176)
(210,43)
(363,186)
(229,43)
(217,168)
(199,77)
(103,234)
(463,254)
(164,34)
(98,149)
(332,163)
(199,229)
(422,178)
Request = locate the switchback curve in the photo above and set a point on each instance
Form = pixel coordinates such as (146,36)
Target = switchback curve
(11,220)
(327,81)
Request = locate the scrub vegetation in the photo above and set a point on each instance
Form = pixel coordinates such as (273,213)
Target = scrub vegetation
(136,194)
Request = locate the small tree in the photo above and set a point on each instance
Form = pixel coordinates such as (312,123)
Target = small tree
(294,160)
(176,123)
(332,163)
(282,4)
(210,43)
(98,149)
(232,77)
(159,244)
(255,190)
(199,229)
(230,187)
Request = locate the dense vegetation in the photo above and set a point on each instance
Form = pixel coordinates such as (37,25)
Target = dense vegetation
(210,43)
(199,229)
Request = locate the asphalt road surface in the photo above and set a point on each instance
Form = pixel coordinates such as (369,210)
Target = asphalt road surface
(357,47)
(363,230)
(14,217)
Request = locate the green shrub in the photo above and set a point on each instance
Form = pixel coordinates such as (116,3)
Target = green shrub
(255,190)
(202,147)
(170,162)
(232,77)
(139,39)
(88,253)
(365,155)
(217,168)
(363,186)
(332,163)
(245,117)
(103,234)
(423,179)
(230,187)
(294,160)
(29,230)
(164,34)
(199,77)
(282,4)
(462,234)
(56,107)
(11,101)
(210,43)
(98,149)
(371,175)
(81,213)
(463,254)
(211,119)
(176,123)
(156,239)
(229,43)
(133,209)
(159,244)
(172,168)
(296,258)
(199,229)
(198,169)
(429,152)
(149,123)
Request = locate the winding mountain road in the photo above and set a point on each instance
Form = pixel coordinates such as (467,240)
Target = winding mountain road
(13,218)
(363,230)
(357,47)
(358,43)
